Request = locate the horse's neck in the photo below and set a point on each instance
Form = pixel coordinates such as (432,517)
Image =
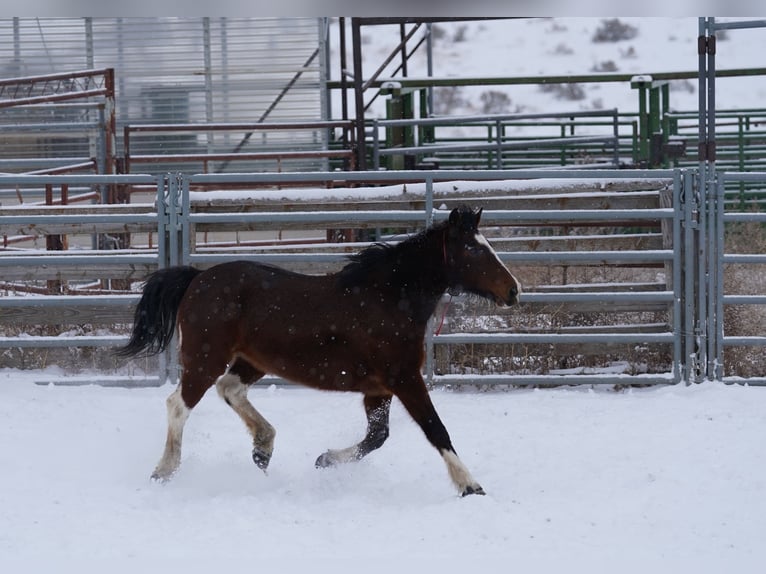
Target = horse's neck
(422,278)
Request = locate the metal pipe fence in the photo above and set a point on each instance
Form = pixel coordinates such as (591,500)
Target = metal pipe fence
(694,296)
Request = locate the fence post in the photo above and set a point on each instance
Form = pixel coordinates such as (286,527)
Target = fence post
(430,351)
(642,84)
(691,344)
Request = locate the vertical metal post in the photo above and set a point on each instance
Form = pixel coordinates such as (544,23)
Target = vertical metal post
(16,46)
(110,123)
(616,132)
(324,76)
(704,253)
(343,74)
(665,120)
(208,67)
(690,343)
(717,352)
(430,67)
(356,41)
(163,234)
(375,145)
(172,228)
(643,127)
(89,59)
(679,178)
(162,222)
(186,227)
(430,358)
(499,139)
(225,76)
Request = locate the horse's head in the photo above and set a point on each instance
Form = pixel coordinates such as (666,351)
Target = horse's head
(473,266)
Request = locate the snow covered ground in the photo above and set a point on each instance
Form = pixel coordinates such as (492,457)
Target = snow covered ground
(666,479)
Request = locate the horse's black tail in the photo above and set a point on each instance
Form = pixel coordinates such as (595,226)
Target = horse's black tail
(155,316)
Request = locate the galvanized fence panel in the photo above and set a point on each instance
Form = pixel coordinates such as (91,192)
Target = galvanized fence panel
(419,217)
(701,334)
(738,338)
(82,219)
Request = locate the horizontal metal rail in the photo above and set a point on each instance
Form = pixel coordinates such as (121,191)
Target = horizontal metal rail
(498,146)
(568,379)
(254,156)
(432,175)
(58,260)
(551,338)
(79,219)
(69,300)
(488,217)
(64,341)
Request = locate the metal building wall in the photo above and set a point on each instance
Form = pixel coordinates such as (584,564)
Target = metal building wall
(182,70)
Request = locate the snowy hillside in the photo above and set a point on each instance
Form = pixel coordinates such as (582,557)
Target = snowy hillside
(556,46)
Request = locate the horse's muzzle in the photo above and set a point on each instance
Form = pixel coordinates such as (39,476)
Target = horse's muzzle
(513,296)
(510,298)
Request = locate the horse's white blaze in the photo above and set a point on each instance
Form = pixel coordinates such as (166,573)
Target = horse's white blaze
(458,472)
(481,240)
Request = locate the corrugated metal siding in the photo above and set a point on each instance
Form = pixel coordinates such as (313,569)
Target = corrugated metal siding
(181,70)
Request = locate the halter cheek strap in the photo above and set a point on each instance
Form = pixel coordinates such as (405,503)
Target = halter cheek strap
(444,315)
(446,305)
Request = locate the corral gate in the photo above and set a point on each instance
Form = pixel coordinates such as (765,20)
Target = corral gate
(696,292)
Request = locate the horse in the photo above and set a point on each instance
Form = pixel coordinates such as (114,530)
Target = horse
(359,329)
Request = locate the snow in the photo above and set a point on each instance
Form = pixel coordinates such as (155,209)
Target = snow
(578,480)
(550,185)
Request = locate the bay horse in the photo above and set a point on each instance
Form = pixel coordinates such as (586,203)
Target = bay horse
(360,329)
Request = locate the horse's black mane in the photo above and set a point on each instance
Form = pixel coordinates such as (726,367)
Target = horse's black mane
(381,254)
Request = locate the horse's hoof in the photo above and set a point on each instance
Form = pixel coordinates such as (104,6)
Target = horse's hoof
(261,459)
(160,478)
(325,460)
(473,490)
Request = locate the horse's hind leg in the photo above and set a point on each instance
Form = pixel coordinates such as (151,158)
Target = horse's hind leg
(195,381)
(377,408)
(232,387)
(178,412)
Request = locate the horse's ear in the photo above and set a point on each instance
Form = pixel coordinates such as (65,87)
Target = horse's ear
(454,217)
(463,220)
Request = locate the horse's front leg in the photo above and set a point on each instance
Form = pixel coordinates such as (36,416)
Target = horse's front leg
(414,396)
(377,408)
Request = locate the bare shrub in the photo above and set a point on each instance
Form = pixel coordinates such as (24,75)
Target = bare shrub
(606,66)
(446,99)
(438,32)
(682,86)
(629,54)
(495,102)
(563,50)
(613,30)
(569,92)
